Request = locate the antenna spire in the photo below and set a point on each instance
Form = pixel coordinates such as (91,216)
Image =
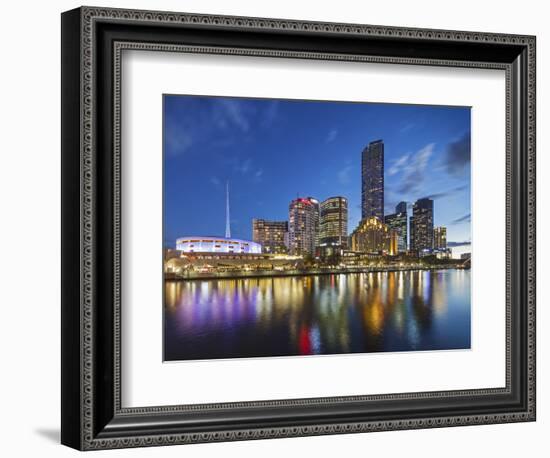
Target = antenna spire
(227,224)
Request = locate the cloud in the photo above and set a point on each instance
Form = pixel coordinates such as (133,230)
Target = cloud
(455,244)
(246,168)
(243,167)
(235,113)
(231,113)
(398,164)
(391,199)
(331,136)
(389,207)
(178,139)
(258,175)
(406,127)
(270,114)
(413,169)
(463,219)
(457,157)
(215,181)
(344,175)
(215,122)
(449,192)
(194,122)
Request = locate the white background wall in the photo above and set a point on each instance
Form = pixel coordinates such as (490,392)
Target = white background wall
(30,214)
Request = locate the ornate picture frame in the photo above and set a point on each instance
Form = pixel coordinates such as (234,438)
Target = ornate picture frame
(93,416)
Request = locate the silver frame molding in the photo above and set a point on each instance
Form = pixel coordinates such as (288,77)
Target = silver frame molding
(93,42)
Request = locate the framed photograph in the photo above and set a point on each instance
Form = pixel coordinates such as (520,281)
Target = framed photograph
(276,228)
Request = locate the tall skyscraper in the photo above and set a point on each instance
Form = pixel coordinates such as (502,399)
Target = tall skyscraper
(316,219)
(398,221)
(270,234)
(334,222)
(372,180)
(303,226)
(422,226)
(411,233)
(440,238)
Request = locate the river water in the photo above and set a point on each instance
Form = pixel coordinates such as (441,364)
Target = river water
(318,314)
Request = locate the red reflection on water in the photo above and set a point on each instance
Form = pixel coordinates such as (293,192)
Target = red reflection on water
(326,314)
(304,341)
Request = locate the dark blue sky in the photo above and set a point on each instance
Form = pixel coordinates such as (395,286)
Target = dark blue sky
(272,150)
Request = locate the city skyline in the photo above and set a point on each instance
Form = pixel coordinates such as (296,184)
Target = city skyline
(332,167)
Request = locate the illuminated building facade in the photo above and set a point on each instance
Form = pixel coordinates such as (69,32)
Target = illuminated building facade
(370,236)
(188,265)
(440,243)
(372,180)
(303,226)
(316,219)
(422,227)
(333,225)
(206,244)
(440,238)
(398,222)
(392,242)
(271,235)
(201,244)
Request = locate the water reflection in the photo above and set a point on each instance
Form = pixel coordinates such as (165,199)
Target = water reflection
(325,314)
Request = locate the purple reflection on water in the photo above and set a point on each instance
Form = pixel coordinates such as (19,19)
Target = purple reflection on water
(324,314)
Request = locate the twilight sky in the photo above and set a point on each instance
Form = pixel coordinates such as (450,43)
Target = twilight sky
(272,150)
